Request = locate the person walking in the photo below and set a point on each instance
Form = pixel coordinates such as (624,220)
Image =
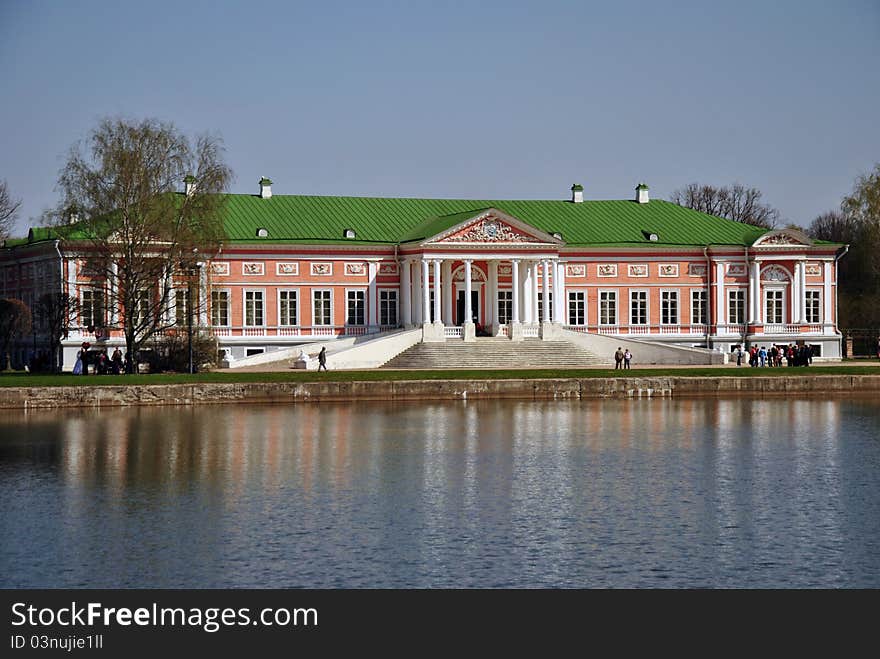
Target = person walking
(627,358)
(322,358)
(762,356)
(739,356)
(618,358)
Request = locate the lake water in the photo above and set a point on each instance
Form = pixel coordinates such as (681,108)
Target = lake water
(647,493)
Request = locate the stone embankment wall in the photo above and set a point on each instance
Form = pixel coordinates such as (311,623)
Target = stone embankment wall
(280,392)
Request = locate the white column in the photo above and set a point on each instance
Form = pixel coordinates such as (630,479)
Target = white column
(492,293)
(535,285)
(514,281)
(468,311)
(827,318)
(437,318)
(405,293)
(720,316)
(527,274)
(545,265)
(417,293)
(446,279)
(755,293)
(559,297)
(372,295)
(426,293)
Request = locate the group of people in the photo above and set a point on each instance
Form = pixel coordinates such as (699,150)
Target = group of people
(622,358)
(99,361)
(760,356)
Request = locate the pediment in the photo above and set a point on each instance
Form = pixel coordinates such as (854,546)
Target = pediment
(784,238)
(493,227)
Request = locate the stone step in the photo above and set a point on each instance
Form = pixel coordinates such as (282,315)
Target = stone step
(494,352)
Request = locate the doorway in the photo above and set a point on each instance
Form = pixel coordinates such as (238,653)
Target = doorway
(475,308)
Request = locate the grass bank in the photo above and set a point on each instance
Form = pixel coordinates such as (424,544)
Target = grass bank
(377,375)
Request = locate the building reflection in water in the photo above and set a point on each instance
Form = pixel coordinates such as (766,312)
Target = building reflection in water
(512,487)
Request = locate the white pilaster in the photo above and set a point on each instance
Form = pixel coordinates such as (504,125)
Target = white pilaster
(720,315)
(525,282)
(827,317)
(545,265)
(203,292)
(437,319)
(113,302)
(559,296)
(755,293)
(405,293)
(468,310)
(802,292)
(534,286)
(515,284)
(417,293)
(426,293)
(446,279)
(372,294)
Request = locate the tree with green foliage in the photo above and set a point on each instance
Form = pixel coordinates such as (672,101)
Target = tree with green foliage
(856,224)
(144,235)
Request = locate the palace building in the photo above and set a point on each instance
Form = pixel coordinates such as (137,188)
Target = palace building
(344,270)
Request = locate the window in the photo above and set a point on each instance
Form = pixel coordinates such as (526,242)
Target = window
(773,306)
(92,310)
(220,308)
(812,307)
(576,308)
(638,307)
(431,306)
(388,308)
(699,308)
(505,307)
(736,307)
(182,306)
(253,308)
(321,308)
(355,306)
(287,308)
(541,305)
(608,307)
(669,307)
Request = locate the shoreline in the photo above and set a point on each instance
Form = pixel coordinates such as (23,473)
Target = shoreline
(642,386)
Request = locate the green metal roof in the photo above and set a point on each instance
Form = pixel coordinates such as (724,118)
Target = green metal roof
(307,219)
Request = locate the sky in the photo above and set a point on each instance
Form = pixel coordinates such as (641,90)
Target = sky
(483,100)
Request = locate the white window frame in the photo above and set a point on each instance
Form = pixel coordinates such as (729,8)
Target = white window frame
(396,293)
(775,289)
(629,316)
(296,305)
(695,305)
(244,302)
(364,293)
(508,304)
(228,306)
(178,311)
(616,293)
(583,306)
(82,306)
(677,293)
(817,292)
(739,319)
(322,290)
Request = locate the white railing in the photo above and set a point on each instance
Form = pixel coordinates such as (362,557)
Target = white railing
(792,329)
(698,329)
(531,331)
(731,328)
(452,332)
(639,329)
(221,331)
(583,329)
(289,331)
(324,330)
(504,330)
(608,329)
(254,331)
(670,329)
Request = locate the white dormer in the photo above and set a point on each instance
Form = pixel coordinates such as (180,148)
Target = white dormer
(642,196)
(577,193)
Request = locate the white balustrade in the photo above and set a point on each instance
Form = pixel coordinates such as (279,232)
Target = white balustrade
(531,331)
(452,332)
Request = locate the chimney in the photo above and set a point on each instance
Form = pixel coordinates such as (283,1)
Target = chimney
(189,184)
(642,193)
(265,188)
(577,193)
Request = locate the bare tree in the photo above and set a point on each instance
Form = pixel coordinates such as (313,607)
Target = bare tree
(15,322)
(142,234)
(8,211)
(735,202)
(55,313)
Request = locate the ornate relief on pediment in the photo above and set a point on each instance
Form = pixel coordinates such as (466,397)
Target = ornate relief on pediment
(774,273)
(813,269)
(489,230)
(252,268)
(388,269)
(607,269)
(287,268)
(784,238)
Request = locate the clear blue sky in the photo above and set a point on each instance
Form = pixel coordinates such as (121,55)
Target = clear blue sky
(460,99)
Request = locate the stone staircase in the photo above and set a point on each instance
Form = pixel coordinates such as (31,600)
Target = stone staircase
(494,352)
